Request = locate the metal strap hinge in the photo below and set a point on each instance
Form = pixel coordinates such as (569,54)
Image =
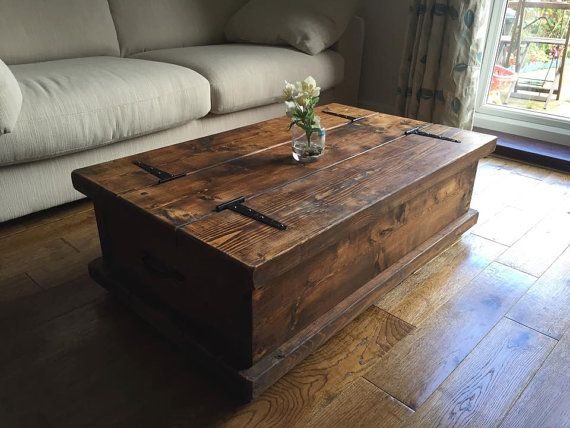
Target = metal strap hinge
(163,176)
(418,131)
(237,206)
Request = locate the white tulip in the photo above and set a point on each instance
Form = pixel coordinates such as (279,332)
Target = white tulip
(299,99)
(291,106)
(310,82)
(309,87)
(289,91)
(302,99)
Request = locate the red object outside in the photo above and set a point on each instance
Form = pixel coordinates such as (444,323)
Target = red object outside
(502,78)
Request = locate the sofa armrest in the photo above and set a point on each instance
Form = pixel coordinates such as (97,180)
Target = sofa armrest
(10,99)
(351,46)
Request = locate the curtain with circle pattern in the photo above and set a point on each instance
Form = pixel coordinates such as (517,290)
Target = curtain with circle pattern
(440,70)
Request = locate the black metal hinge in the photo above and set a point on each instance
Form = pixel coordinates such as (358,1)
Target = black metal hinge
(237,206)
(163,176)
(344,116)
(418,131)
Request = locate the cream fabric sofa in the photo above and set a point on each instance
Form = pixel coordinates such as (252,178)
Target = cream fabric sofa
(102,79)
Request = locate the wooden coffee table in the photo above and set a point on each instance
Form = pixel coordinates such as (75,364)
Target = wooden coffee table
(252,300)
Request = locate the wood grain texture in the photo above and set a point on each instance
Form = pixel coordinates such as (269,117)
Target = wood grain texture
(190,198)
(125,374)
(254,380)
(551,235)
(54,252)
(40,220)
(244,289)
(362,405)
(419,296)
(507,189)
(508,226)
(316,381)
(421,362)
(121,175)
(49,260)
(546,400)
(480,392)
(78,219)
(369,292)
(114,371)
(546,305)
(350,255)
(17,286)
(335,194)
(41,307)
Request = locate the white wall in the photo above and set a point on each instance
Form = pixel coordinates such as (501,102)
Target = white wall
(386,27)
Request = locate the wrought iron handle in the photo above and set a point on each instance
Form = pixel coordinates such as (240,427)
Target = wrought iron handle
(159,269)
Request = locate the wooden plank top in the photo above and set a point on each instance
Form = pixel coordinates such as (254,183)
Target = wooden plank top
(366,163)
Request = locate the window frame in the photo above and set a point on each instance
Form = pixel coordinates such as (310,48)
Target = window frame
(532,124)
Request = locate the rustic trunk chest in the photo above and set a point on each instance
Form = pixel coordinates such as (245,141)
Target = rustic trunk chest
(250,298)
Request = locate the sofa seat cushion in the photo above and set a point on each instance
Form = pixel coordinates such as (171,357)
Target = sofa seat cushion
(246,76)
(78,104)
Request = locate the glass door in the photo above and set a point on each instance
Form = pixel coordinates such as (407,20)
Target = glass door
(526,69)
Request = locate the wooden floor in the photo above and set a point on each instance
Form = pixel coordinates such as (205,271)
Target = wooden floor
(479,337)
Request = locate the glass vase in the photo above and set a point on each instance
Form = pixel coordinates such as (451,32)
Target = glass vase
(304,150)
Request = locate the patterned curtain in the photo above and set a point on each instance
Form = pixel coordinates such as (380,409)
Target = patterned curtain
(440,71)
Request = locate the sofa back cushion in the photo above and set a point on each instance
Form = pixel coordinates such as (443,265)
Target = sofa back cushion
(145,25)
(43,30)
(310,26)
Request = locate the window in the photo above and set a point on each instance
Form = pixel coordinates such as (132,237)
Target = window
(525,80)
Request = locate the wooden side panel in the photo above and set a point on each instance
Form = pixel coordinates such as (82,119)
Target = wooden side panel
(211,295)
(372,242)
(253,381)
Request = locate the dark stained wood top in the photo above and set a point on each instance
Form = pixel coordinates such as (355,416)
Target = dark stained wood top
(121,175)
(366,163)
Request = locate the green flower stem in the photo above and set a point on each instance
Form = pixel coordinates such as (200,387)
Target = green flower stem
(309,133)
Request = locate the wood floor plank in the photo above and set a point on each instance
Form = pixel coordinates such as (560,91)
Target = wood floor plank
(417,365)
(39,308)
(559,180)
(546,400)
(508,189)
(316,381)
(73,224)
(552,193)
(99,365)
(362,405)
(54,253)
(508,226)
(488,173)
(541,246)
(480,392)
(16,287)
(70,356)
(54,272)
(420,295)
(545,307)
(527,169)
(43,218)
